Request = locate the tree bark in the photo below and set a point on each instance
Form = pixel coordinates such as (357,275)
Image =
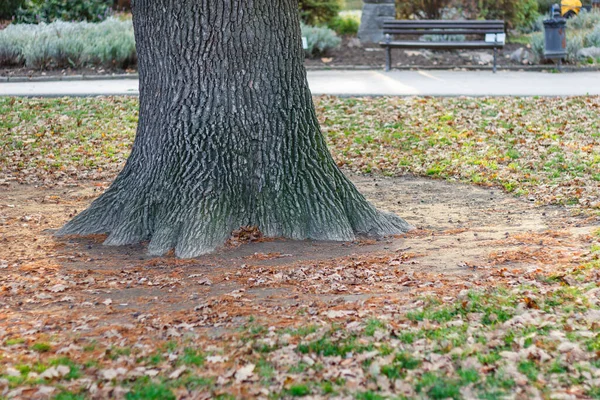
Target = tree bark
(227,136)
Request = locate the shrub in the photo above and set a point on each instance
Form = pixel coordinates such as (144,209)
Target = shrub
(575,42)
(319,39)
(582,31)
(319,12)
(420,9)
(346,23)
(518,14)
(593,38)
(8,8)
(537,46)
(583,21)
(69,44)
(36,11)
(544,5)
(442,38)
(123,5)
(537,25)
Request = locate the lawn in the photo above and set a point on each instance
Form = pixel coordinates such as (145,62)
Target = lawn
(79,320)
(545,149)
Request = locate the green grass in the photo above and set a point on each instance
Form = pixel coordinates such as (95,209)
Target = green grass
(41,347)
(368,396)
(193,356)
(298,390)
(444,389)
(327,347)
(513,143)
(70,396)
(150,391)
(372,326)
(265,370)
(428,331)
(327,388)
(14,341)
(302,331)
(75,369)
(527,146)
(529,369)
(116,352)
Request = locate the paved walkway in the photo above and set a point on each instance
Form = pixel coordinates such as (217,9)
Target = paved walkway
(357,83)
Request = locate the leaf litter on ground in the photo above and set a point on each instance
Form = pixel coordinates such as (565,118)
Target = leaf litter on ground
(364,327)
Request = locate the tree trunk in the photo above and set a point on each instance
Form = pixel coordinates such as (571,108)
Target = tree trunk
(227,136)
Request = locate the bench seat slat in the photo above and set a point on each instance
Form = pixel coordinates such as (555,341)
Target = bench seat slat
(442,31)
(439,26)
(415,44)
(426,22)
(440,23)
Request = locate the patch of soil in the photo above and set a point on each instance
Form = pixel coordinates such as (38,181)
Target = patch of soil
(352,53)
(53,72)
(465,235)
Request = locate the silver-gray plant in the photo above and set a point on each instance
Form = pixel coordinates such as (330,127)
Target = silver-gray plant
(319,39)
(69,44)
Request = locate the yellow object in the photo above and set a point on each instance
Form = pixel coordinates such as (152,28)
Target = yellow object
(570,8)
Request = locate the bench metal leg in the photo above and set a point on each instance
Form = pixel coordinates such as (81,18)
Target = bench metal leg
(388,58)
(495,56)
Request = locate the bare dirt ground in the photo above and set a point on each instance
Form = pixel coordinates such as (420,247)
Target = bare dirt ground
(94,302)
(349,54)
(464,233)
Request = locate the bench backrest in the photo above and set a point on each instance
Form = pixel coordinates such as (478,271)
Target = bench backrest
(445,27)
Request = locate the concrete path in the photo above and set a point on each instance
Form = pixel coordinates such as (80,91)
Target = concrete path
(365,83)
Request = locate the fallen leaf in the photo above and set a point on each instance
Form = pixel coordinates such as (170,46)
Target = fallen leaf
(177,373)
(244,373)
(58,288)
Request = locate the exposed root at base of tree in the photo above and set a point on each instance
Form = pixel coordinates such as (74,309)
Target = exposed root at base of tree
(129,217)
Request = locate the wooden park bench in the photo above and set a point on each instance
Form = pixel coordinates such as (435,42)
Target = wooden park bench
(490,33)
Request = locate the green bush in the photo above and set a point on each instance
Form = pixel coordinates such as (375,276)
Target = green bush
(319,12)
(346,23)
(319,39)
(9,8)
(518,14)
(69,44)
(537,25)
(36,11)
(420,9)
(544,6)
